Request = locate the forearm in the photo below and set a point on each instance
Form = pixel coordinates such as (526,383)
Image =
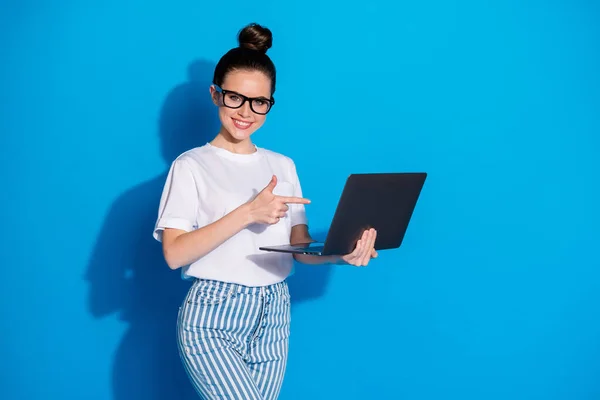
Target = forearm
(315,260)
(191,246)
(300,234)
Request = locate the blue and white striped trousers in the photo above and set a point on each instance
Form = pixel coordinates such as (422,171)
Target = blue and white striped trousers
(233,339)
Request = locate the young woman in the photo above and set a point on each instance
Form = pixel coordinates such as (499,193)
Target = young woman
(220,203)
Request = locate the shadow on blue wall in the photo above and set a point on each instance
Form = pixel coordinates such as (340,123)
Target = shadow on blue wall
(127,273)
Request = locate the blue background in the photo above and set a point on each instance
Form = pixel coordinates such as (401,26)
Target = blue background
(496,290)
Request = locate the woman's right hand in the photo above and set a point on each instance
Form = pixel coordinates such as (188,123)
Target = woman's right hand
(268,208)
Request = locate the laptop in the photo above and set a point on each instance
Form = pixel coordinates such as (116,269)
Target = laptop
(384,201)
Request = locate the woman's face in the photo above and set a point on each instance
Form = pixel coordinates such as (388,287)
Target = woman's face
(242,122)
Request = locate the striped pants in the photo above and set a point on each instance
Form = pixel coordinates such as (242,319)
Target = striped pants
(233,339)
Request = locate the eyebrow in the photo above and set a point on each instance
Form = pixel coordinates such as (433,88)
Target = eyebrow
(250,97)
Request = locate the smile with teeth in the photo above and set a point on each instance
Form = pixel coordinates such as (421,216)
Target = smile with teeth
(241,124)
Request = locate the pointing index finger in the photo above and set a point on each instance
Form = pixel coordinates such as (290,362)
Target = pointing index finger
(294,200)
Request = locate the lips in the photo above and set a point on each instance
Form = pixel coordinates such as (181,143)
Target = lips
(241,124)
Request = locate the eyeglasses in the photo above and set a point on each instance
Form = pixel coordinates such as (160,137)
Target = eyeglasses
(259,105)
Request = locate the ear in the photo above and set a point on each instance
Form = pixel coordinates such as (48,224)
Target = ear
(214,95)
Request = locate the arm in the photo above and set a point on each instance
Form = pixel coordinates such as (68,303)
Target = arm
(361,255)
(182,248)
(300,235)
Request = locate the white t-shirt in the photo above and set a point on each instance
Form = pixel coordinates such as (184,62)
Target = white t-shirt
(208,182)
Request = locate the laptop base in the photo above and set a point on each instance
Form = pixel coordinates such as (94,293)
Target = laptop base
(313,249)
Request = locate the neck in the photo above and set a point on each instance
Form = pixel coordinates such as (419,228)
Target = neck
(225,141)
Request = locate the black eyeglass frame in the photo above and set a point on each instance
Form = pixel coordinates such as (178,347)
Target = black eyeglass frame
(271,101)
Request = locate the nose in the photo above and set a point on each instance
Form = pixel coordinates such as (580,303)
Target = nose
(245,111)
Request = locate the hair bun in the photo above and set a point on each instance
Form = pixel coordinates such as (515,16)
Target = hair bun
(255,37)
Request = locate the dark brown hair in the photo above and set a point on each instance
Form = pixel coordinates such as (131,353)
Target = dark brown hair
(254,41)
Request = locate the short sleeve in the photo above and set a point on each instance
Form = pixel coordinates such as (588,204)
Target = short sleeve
(297,211)
(178,206)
